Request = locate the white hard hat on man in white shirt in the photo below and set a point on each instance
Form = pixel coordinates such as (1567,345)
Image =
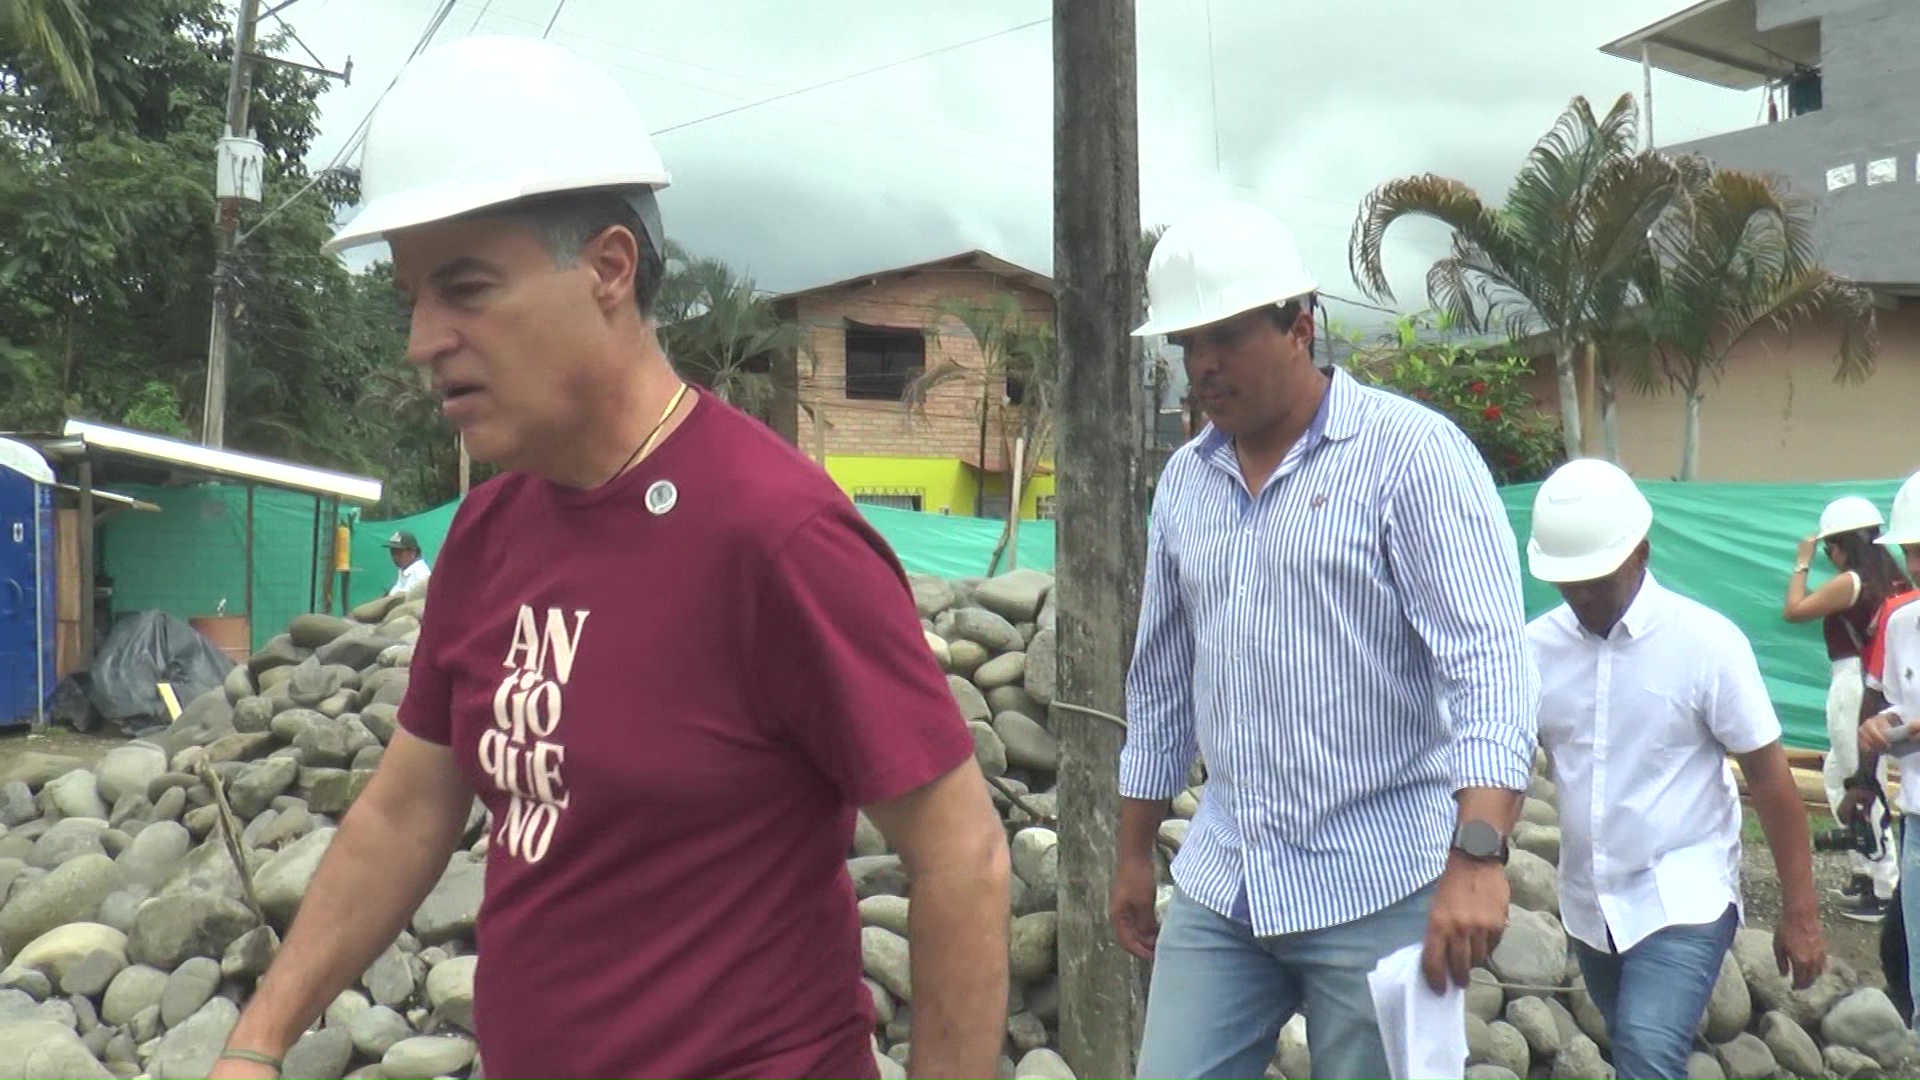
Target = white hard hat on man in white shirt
(1588,518)
(1903,525)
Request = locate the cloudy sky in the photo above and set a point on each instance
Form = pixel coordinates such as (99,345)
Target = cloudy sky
(1303,107)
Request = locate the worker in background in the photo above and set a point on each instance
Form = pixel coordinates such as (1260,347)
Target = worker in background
(1846,605)
(414,571)
(1893,672)
(663,648)
(1332,619)
(1644,694)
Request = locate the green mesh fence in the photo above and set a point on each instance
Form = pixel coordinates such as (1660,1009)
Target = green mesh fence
(191,557)
(1727,545)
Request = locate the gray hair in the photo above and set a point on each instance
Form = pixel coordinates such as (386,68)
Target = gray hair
(565,222)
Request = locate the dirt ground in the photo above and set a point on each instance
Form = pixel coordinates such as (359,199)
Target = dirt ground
(57,740)
(1856,943)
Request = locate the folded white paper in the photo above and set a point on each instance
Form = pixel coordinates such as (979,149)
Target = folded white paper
(1425,1033)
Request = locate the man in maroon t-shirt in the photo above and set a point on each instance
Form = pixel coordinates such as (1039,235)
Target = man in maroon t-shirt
(662,648)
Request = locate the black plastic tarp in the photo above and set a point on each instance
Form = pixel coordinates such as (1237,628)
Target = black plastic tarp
(144,650)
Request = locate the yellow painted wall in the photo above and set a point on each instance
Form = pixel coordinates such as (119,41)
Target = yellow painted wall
(943,484)
(1040,487)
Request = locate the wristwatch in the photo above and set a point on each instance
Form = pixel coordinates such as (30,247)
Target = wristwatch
(1480,841)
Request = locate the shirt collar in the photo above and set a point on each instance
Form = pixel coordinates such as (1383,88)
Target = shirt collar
(1641,616)
(1338,417)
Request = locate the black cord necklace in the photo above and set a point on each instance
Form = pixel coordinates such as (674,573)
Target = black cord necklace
(651,435)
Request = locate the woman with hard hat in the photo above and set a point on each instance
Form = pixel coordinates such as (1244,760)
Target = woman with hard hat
(1846,605)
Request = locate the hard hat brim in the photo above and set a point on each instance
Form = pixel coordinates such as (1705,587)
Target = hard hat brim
(423,206)
(1559,570)
(1181,323)
(1847,527)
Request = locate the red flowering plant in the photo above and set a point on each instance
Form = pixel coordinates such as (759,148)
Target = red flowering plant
(1481,389)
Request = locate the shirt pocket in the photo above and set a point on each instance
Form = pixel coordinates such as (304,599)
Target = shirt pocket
(1669,722)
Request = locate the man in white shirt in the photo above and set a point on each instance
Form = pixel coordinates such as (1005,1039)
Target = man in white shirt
(1644,694)
(1893,668)
(414,571)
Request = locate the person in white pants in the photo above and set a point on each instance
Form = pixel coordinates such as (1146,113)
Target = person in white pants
(1846,605)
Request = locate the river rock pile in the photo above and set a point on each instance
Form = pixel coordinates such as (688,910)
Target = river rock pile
(128,938)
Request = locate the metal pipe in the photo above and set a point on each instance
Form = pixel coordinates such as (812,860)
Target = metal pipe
(1646,93)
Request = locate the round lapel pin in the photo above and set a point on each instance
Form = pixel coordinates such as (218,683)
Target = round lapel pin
(662,496)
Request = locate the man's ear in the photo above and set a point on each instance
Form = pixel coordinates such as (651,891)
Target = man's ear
(614,258)
(1303,327)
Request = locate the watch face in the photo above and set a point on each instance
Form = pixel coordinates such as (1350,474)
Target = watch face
(1479,839)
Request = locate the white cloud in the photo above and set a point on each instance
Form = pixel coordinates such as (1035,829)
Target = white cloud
(1308,107)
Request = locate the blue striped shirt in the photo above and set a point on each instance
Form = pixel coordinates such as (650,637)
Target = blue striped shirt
(1345,651)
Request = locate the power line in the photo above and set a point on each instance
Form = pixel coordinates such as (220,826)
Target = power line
(359,134)
(854,75)
(557,9)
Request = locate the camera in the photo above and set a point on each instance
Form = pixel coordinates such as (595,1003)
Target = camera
(1857,835)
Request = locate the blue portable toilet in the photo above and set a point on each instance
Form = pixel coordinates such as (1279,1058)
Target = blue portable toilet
(27,601)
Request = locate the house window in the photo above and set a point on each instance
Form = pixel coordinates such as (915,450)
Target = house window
(882,362)
(892,498)
(1043,507)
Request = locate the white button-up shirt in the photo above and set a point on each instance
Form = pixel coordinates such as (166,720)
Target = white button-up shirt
(1638,727)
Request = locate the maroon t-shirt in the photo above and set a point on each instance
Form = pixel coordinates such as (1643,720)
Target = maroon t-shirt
(672,692)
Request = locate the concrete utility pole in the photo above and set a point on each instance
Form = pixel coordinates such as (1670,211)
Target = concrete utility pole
(1102,507)
(213,420)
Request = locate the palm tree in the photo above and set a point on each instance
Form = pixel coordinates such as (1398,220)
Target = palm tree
(721,332)
(1558,258)
(1015,379)
(55,33)
(1736,256)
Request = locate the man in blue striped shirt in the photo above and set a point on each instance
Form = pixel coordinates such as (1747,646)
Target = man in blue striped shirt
(1332,622)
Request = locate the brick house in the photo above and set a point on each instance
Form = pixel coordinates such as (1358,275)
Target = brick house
(867,339)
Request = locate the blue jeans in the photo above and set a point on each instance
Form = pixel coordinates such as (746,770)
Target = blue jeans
(1654,994)
(1220,995)
(1910,903)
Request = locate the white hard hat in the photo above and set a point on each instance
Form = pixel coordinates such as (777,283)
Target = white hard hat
(1903,526)
(1847,514)
(1587,518)
(1217,262)
(487,120)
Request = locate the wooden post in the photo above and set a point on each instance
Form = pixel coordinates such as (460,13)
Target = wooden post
(1102,507)
(466,466)
(253,624)
(1013,502)
(86,564)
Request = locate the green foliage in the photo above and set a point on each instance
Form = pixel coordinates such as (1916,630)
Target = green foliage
(1483,392)
(53,35)
(722,334)
(1557,258)
(1735,256)
(107,238)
